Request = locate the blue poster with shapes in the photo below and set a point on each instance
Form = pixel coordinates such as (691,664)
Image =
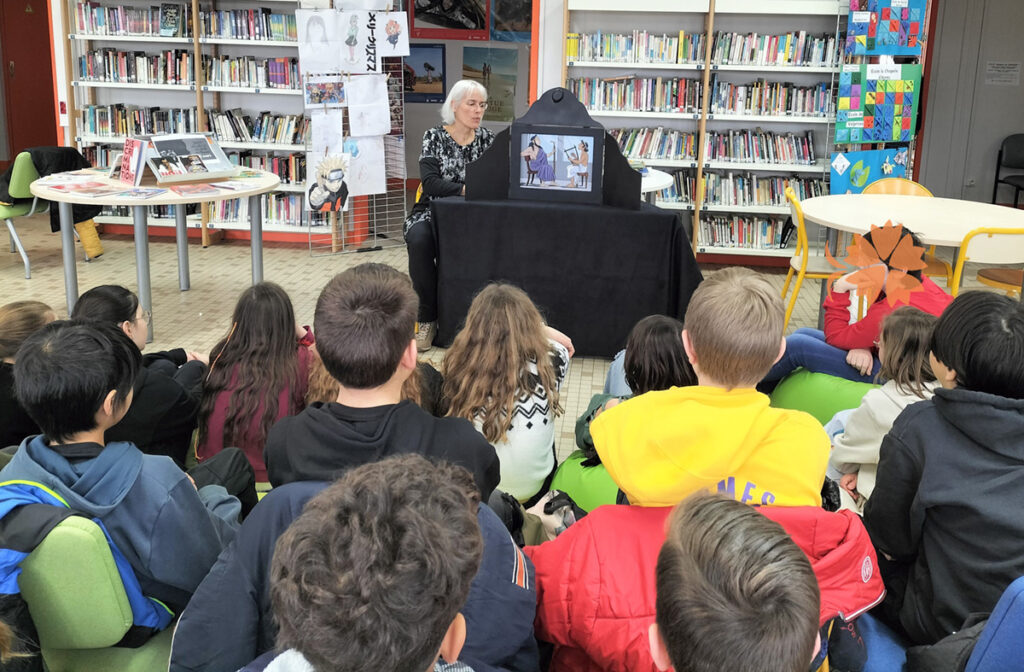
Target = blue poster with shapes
(894,27)
(877,103)
(852,171)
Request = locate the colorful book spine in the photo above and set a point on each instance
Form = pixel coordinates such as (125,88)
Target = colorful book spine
(638,94)
(741,232)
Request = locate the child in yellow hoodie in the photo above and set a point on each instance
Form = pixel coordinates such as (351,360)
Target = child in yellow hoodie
(720,435)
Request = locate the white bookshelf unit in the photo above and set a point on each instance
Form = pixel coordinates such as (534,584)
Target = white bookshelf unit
(614,51)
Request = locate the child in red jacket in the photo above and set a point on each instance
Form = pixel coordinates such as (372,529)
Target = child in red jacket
(850,350)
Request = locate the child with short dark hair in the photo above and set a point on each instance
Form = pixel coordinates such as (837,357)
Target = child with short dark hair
(950,487)
(365,326)
(374,572)
(76,381)
(722,434)
(903,350)
(169,386)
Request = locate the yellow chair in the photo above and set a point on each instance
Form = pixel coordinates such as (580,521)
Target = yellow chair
(419,192)
(904,187)
(801,264)
(1007,279)
(989,246)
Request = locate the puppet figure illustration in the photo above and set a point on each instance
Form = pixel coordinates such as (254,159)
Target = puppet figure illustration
(353,37)
(578,165)
(537,161)
(330,191)
(394,31)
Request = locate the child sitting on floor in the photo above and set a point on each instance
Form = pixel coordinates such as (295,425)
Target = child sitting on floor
(654,359)
(722,434)
(18,321)
(903,351)
(503,372)
(258,374)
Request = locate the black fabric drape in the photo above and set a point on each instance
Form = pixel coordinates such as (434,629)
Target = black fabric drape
(50,160)
(593,271)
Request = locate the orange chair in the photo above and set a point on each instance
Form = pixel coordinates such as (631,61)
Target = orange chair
(801,264)
(902,186)
(991,246)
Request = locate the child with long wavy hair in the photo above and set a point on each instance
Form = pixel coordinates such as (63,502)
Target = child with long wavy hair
(18,321)
(503,372)
(259,374)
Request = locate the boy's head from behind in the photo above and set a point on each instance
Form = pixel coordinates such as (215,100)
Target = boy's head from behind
(733,591)
(71,377)
(364,323)
(373,573)
(978,344)
(733,328)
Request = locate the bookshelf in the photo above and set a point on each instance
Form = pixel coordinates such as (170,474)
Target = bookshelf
(737,97)
(230,68)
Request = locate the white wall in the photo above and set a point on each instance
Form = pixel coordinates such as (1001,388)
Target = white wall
(967,119)
(421,116)
(5,148)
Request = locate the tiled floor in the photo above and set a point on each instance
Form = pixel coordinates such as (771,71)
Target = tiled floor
(196,319)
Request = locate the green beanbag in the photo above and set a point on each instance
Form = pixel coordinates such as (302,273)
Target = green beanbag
(819,394)
(589,487)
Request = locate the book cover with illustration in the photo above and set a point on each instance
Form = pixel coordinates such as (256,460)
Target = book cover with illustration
(133,156)
(188,157)
(170,20)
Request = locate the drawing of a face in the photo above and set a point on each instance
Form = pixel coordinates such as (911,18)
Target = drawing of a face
(316,31)
(354,21)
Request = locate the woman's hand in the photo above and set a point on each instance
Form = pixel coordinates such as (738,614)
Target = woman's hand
(558,337)
(862,360)
(849,483)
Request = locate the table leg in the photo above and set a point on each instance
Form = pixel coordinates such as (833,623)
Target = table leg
(181,235)
(651,197)
(67,244)
(831,242)
(139,216)
(256,238)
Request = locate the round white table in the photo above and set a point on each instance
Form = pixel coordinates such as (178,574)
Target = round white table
(254,187)
(936,221)
(653,182)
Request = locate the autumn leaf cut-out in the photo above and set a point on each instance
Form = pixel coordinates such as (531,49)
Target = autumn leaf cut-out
(881,265)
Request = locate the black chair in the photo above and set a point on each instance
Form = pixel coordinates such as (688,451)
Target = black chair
(1011,155)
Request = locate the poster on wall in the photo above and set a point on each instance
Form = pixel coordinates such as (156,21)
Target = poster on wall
(852,171)
(497,70)
(451,19)
(877,103)
(511,20)
(893,27)
(424,76)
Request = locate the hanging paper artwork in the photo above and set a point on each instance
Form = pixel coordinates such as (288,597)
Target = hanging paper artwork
(511,20)
(893,27)
(376,5)
(877,103)
(366,165)
(327,163)
(324,91)
(852,171)
(451,19)
(392,34)
(319,49)
(423,79)
(498,71)
(357,31)
(368,112)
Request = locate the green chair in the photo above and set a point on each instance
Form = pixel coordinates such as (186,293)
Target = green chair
(78,604)
(22,176)
(819,394)
(589,487)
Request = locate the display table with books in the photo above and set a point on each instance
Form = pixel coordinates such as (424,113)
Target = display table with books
(94,186)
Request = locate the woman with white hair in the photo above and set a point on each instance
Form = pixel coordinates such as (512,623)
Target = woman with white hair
(447,148)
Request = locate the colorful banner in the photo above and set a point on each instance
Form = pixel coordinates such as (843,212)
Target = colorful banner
(894,27)
(877,103)
(852,171)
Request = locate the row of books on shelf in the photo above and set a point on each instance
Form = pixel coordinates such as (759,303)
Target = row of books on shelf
(639,46)
(771,98)
(740,189)
(751,233)
(638,94)
(291,168)
(797,48)
(121,119)
(267,127)
(249,72)
(278,209)
(656,143)
(758,146)
(175,20)
(174,66)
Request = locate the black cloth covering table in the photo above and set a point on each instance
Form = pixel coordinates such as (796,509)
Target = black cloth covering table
(593,271)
